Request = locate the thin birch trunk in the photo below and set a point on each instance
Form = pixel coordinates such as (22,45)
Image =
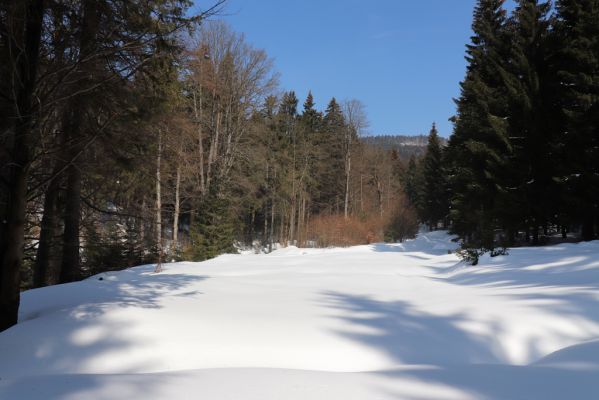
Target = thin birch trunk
(177,208)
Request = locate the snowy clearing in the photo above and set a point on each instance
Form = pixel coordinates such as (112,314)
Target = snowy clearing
(403,321)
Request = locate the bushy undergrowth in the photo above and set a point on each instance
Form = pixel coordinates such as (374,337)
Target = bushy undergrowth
(472,254)
(402,224)
(337,230)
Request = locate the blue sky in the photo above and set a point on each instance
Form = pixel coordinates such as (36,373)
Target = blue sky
(403,59)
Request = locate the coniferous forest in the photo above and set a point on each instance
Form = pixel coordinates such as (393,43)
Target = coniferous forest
(521,164)
(142,132)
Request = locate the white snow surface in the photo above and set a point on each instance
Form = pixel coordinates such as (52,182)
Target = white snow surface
(383,321)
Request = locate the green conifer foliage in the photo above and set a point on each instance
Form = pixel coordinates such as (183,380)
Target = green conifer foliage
(330,167)
(412,182)
(213,231)
(289,104)
(311,118)
(435,205)
(479,146)
(531,123)
(576,35)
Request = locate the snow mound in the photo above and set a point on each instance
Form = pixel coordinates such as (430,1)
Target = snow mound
(439,242)
(289,251)
(583,356)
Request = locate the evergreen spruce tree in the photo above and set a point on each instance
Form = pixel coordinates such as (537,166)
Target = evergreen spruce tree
(576,32)
(213,231)
(412,184)
(479,146)
(435,205)
(531,118)
(287,118)
(288,104)
(308,155)
(330,167)
(311,118)
(333,121)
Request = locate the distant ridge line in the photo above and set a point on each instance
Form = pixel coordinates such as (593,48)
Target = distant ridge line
(405,145)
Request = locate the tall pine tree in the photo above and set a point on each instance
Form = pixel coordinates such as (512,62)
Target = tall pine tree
(577,39)
(435,205)
(330,167)
(412,182)
(479,146)
(531,123)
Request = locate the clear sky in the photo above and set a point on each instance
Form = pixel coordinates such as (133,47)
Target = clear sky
(403,59)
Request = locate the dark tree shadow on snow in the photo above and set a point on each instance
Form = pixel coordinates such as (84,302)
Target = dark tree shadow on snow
(503,382)
(462,361)
(77,330)
(408,335)
(571,279)
(410,247)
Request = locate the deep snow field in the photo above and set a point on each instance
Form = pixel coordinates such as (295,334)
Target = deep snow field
(401,321)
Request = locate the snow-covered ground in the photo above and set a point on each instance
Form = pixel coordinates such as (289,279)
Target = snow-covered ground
(403,321)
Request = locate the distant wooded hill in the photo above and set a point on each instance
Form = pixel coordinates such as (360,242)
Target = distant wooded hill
(406,145)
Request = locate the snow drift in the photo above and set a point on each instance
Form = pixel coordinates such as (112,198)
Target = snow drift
(368,322)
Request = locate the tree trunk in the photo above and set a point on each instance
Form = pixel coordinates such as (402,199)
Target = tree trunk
(47,240)
(197,108)
(361,194)
(177,209)
(379,191)
(272,216)
(159,205)
(282,238)
(70,270)
(347,176)
(265,232)
(535,234)
(272,224)
(213,151)
(252,232)
(48,257)
(24,35)
(588,231)
(293,195)
(389,192)
(292,219)
(12,253)
(300,219)
(142,222)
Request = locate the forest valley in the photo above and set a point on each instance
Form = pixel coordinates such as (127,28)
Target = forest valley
(136,132)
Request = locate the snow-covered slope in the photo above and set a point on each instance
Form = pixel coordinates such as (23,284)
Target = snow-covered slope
(368,322)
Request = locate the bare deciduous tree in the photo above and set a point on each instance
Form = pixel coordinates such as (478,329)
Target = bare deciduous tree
(356,122)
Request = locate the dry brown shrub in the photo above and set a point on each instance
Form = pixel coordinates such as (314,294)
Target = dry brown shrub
(402,224)
(336,230)
(397,224)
